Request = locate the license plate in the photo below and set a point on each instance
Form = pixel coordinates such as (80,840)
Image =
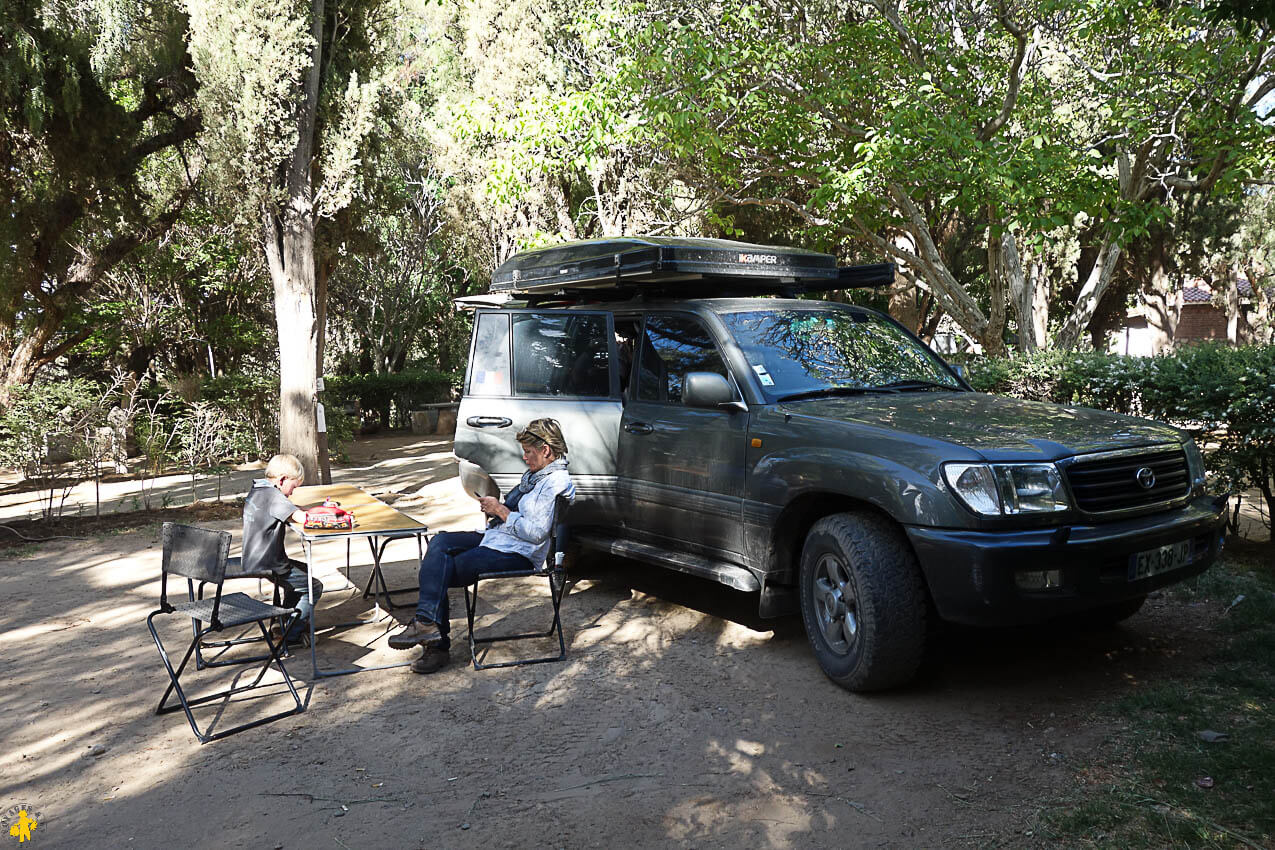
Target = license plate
(1162,560)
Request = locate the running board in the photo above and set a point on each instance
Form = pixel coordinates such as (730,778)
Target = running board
(727,574)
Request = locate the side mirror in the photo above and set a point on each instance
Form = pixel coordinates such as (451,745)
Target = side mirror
(707,390)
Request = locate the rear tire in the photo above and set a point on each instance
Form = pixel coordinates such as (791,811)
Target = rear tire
(863,602)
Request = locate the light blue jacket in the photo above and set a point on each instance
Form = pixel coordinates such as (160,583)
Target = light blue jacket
(526,531)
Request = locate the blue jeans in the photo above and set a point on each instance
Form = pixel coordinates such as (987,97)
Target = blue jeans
(293,586)
(453,559)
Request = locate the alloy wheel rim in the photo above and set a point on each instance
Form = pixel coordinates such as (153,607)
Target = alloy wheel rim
(836,604)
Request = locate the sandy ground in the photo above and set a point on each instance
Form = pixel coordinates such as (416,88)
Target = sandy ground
(678,719)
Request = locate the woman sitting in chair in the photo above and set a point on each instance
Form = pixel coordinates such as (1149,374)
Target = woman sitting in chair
(517,539)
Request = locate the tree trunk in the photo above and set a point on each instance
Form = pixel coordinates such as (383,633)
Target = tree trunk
(1090,295)
(1022,293)
(290,255)
(1225,276)
(994,336)
(323,271)
(1163,309)
(1261,321)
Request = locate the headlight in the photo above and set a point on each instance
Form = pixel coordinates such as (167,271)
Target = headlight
(1007,488)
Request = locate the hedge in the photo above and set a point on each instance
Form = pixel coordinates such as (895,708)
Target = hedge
(392,396)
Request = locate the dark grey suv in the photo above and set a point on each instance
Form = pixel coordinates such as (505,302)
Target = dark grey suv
(818,454)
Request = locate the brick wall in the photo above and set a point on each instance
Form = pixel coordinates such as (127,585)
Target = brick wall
(1200,321)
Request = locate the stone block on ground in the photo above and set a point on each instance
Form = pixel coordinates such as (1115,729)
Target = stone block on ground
(446,421)
(424,421)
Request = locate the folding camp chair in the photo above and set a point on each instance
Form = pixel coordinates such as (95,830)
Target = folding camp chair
(199,555)
(552,570)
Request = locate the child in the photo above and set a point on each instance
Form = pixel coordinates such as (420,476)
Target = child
(265,511)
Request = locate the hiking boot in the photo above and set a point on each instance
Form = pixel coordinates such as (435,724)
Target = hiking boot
(298,631)
(415,633)
(432,660)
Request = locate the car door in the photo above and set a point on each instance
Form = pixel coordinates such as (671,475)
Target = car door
(681,469)
(527,364)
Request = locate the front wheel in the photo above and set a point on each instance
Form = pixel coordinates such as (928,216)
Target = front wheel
(863,602)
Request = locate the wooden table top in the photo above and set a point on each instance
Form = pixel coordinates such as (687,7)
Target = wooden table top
(371,515)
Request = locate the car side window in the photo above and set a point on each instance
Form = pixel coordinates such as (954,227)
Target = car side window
(561,354)
(489,367)
(670,347)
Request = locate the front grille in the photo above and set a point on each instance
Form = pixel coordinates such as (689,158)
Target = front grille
(1111,483)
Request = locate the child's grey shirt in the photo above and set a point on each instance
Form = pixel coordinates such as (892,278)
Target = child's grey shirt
(265,515)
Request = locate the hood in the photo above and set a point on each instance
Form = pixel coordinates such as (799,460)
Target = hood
(998,427)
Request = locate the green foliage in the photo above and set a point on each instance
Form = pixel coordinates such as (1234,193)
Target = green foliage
(951,124)
(391,395)
(94,98)
(340,431)
(253,403)
(50,419)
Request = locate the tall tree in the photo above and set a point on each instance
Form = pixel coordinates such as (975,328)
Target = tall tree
(296,93)
(96,106)
(924,128)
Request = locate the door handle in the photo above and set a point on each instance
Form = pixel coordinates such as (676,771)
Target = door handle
(489,422)
(638,428)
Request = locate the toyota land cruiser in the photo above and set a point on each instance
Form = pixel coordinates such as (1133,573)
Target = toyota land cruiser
(819,454)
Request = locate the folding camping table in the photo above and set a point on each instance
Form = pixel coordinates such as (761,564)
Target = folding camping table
(376,521)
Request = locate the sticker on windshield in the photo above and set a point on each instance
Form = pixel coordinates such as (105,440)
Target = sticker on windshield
(763,375)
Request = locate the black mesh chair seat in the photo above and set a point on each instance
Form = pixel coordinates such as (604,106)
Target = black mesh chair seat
(236,609)
(200,555)
(235,570)
(551,569)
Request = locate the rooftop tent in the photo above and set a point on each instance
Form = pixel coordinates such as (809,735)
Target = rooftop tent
(649,263)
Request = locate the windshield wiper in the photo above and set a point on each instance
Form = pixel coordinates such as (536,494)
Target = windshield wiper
(905,386)
(834,391)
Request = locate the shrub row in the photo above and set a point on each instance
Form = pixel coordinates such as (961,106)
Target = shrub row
(391,396)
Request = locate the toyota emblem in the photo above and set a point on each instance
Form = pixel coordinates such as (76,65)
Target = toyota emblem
(1146,478)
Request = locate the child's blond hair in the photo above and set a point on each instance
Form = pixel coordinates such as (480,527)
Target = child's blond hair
(285,466)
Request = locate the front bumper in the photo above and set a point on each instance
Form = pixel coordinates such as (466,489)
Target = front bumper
(971,574)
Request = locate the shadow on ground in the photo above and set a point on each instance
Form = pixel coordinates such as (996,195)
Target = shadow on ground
(679,718)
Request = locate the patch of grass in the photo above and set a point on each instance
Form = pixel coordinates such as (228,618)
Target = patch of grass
(1147,790)
(21,550)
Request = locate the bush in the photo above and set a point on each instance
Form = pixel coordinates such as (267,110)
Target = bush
(253,403)
(48,419)
(391,395)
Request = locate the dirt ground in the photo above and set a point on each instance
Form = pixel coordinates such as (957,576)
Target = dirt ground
(678,719)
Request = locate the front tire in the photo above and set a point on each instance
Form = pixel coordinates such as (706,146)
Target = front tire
(863,602)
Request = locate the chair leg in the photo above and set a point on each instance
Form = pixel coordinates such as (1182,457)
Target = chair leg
(377,578)
(186,703)
(173,678)
(471,605)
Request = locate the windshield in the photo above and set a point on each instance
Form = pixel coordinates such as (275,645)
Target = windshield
(829,350)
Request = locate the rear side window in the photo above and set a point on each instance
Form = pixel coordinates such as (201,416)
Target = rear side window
(561,355)
(671,347)
(489,368)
